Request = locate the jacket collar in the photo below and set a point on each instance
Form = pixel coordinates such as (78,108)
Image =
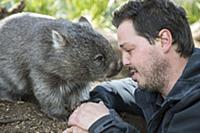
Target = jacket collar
(189,78)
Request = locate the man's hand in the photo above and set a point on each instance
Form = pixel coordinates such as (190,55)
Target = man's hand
(86,114)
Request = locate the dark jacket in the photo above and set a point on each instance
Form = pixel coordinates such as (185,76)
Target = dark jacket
(179,112)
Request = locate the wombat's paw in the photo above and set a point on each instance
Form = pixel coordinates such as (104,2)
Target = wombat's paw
(58,116)
(9,98)
(6,99)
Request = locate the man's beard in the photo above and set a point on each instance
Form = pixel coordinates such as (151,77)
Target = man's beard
(156,77)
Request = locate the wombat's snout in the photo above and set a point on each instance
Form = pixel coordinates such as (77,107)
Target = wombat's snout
(114,68)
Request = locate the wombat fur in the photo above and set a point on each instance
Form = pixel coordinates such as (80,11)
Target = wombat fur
(53,60)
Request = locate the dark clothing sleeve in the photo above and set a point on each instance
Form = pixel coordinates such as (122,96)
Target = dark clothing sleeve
(117,95)
(112,123)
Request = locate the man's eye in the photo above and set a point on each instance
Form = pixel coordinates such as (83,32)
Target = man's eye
(129,50)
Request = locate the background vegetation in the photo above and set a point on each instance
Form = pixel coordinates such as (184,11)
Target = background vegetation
(97,11)
(192,8)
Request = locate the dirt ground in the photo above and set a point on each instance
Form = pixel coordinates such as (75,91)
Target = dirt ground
(25,117)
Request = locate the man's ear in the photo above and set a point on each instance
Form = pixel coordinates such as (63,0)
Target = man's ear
(166,39)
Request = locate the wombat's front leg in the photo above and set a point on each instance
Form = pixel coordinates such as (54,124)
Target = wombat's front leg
(77,96)
(51,102)
(50,99)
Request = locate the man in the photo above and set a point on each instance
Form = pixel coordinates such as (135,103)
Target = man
(156,44)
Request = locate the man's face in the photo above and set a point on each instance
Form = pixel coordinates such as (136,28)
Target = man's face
(145,61)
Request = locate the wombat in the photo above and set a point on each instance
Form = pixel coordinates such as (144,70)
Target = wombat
(53,60)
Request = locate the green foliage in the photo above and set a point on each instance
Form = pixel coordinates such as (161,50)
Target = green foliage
(192,8)
(93,9)
(7,3)
(39,6)
(98,11)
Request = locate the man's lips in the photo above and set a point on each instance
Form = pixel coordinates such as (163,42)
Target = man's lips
(132,71)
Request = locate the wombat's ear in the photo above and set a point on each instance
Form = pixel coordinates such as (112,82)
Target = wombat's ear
(58,40)
(84,21)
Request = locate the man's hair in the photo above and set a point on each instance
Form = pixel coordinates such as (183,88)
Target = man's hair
(150,16)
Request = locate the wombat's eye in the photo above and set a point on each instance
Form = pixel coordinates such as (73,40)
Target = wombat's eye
(99,57)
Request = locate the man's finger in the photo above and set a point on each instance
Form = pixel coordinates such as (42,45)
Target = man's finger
(73,117)
(68,130)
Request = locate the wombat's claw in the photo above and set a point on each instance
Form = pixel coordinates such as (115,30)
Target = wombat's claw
(56,117)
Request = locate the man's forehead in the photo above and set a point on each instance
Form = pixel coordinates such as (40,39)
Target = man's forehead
(126,24)
(125,30)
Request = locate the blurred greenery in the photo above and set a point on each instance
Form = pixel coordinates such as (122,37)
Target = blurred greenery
(97,11)
(192,8)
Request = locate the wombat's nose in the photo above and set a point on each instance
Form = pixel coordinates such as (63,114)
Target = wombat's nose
(114,68)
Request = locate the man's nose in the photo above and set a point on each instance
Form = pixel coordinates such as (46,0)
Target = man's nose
(125,60)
